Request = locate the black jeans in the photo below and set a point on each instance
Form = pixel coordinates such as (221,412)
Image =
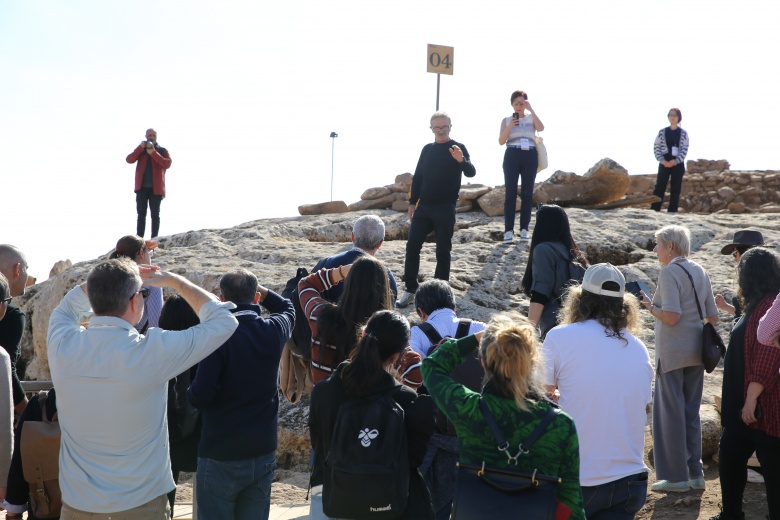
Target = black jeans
(676,172)
(520,164)
(737,444)
(441,220)
(143,197)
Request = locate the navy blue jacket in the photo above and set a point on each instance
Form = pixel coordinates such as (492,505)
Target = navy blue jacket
(345,258)
(236,386)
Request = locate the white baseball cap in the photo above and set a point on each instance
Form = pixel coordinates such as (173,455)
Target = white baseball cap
(598,274)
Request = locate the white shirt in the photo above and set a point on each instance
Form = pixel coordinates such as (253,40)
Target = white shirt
(523,130)
(112,390)
(605,386)
(445,322)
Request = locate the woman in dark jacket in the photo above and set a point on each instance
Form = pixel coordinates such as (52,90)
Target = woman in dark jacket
(385,337)
(183,418)
(552,250)
(670,149)
(750,378)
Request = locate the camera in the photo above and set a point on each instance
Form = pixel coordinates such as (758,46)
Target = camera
(150,144)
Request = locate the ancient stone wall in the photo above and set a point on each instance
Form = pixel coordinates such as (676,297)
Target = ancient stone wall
(710,187)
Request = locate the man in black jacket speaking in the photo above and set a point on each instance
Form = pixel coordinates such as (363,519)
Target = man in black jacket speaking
(435,188)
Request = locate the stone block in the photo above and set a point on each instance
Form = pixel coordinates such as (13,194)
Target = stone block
(323,208)
(375,193)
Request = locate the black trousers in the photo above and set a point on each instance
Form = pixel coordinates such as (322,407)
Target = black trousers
(520,164)
(737,444)
(676,173)
(143,197)
(441,220)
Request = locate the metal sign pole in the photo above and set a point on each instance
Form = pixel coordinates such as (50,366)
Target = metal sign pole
(438,79)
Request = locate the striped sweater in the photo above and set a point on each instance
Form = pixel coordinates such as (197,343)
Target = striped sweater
(323,356)
(660,149)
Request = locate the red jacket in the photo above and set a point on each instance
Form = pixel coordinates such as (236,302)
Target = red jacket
(161,161)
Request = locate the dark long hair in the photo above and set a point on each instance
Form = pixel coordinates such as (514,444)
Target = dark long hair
(177,314)
(758,276)
(366,290)
(552,225)
(386,334)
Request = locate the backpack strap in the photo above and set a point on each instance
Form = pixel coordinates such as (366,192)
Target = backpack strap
(464,324)
(525,446)
(433,336)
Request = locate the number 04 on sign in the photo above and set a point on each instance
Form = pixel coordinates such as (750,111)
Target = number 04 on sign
(440,59)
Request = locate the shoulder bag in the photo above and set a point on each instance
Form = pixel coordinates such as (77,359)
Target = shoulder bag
(712,347)
(484,492)
(541,152)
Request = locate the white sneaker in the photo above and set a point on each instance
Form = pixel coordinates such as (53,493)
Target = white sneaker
(523,234)
(508,236)
(405,299)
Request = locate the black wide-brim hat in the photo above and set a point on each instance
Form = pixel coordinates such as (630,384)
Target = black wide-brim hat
(746,237)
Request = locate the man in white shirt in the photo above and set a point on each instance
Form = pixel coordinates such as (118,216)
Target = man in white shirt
(435,305)
(112,385)
(604,377)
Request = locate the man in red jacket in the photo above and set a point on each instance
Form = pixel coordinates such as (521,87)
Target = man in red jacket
(151,162)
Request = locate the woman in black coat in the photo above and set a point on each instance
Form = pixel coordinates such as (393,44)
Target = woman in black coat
(365,375)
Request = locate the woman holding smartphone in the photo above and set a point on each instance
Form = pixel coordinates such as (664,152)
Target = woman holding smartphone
(520,161)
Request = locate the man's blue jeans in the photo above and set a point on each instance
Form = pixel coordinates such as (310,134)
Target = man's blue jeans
(617,500)
(236,489)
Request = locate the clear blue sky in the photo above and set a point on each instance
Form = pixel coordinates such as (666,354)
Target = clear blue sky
(245,94)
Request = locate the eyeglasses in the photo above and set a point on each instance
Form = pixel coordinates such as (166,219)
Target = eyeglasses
(734,253)
(144,293)
(7,301)
(437,128)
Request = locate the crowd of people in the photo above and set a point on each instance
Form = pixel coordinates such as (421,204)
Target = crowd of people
(403,418)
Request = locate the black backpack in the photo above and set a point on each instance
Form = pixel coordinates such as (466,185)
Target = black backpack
(367,468)
(300,341)
(469,373)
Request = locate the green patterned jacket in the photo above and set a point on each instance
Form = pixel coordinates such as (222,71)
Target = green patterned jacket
(554,453)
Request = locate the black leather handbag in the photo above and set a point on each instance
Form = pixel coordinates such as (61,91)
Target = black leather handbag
(712,347)
(484,492)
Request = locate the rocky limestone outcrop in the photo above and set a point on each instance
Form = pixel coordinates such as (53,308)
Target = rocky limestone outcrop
(604,182)
(486,273)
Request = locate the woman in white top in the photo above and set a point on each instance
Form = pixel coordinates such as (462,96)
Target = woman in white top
(520,161)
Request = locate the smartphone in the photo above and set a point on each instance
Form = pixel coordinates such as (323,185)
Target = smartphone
(515,116)
(635,287)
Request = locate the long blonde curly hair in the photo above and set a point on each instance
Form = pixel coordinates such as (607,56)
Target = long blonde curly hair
(510,352)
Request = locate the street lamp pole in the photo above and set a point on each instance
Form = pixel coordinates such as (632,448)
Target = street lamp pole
(333,136)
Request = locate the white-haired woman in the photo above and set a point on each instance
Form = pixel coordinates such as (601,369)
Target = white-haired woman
(678,367)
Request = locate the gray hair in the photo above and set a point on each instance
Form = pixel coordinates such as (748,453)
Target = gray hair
(441,113)
(111,285)
(238,286)
(369,231)
(678,237)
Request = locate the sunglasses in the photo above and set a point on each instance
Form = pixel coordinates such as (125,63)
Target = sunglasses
(144,293)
